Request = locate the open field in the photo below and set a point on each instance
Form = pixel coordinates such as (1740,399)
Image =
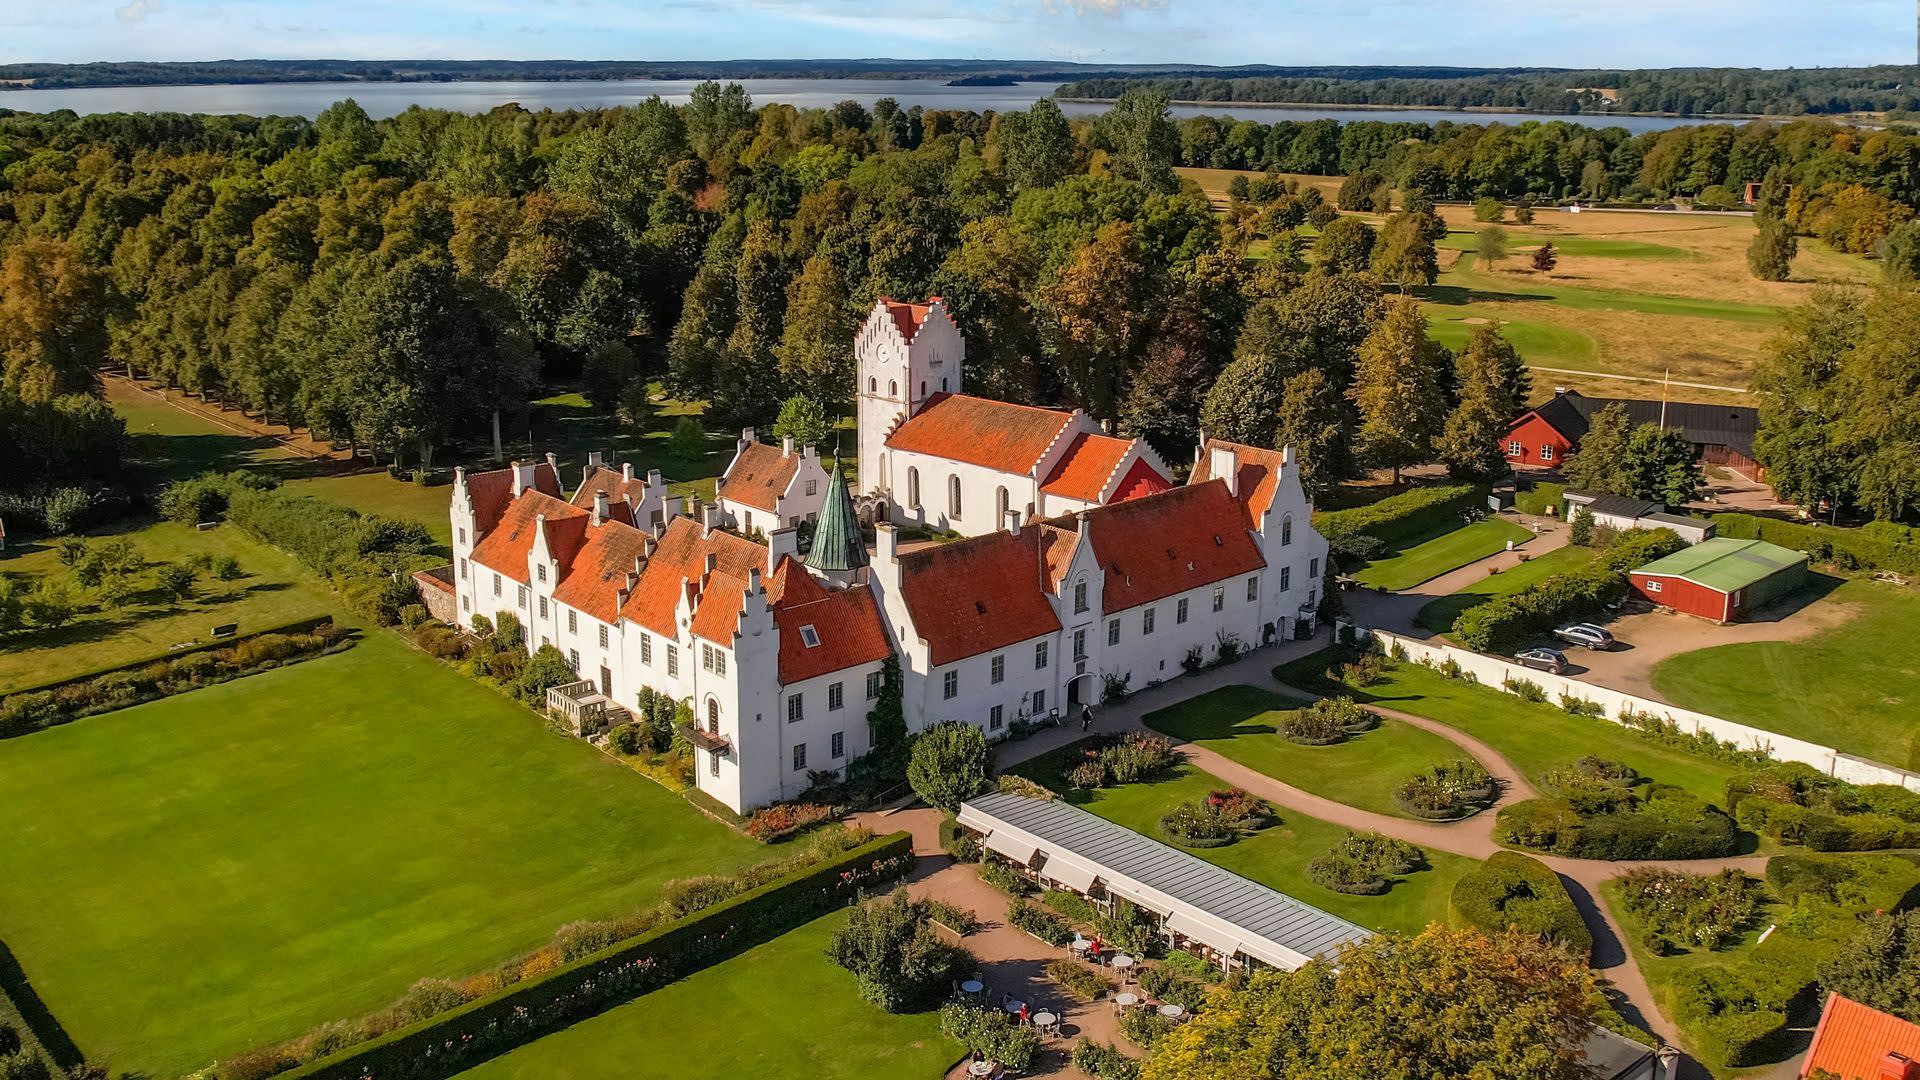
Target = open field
(1439,615)
(275,590)
(1239,723)
(1535,737)
(1446,552)
(1214,181)
(808,1023)
(1277,856)
(1855,687)
(228,867)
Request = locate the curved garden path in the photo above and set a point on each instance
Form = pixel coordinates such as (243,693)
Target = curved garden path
(1471,837)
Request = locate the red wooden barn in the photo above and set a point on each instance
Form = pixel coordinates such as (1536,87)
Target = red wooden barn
(1543,436)
(1722,579)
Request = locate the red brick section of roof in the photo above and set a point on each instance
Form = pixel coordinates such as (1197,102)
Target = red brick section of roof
(618,488)
(611,552)
(1159,545)
(1259,474)
(1083,471)
(974,596)
(492,492)
(1853,1041)
(908,317)
(682,553)
(993,434)
(505,548)
(1142,479)
(846,624)
(760,476)
(790,583)
(718,615)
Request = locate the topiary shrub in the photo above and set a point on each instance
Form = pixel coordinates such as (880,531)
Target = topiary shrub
(1511,889)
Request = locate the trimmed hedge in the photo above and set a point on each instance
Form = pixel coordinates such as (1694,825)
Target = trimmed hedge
(1511,889)
(1409,515)
(1879,546)
(1797,804)
(461,1038)
(1667,823)
(1507,622)
(1541,499)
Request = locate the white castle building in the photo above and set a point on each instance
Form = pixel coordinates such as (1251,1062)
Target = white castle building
(1084,572)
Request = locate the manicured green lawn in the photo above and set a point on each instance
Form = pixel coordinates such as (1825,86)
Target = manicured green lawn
(1537,342)
(1462,284)
(228,867)
(1535,737)
(1446,552)
(1522,244)
(1439,615)
(782,1011)
(274,591)
(1238,722)
(1855,687)
(1276,857)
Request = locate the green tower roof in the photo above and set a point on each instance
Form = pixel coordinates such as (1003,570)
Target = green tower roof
(836,536)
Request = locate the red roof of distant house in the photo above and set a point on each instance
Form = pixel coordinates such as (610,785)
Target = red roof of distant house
(505,548)
(994,434)
(1853,1040)
(1158,545)
(974,596)
(1083,471)
(846,624)
(908,317)
(618,488)
(612,551)
(1259,474)
(760,476)
(681,553)
(492,491)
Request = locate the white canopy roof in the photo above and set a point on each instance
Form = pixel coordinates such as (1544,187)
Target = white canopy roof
(1015,849)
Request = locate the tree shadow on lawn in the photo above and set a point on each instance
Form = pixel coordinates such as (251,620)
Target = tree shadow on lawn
(39,1019)
(1462,295)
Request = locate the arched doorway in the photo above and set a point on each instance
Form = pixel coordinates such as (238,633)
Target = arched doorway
(1080,690)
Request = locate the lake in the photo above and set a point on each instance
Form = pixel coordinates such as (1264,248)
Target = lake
(383,99)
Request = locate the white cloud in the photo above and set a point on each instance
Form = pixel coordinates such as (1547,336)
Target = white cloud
(135,10)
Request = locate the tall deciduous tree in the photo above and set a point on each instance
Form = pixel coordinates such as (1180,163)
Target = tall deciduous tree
(1490,247)
(1396,389)
(1037,147)
(1097,316)
(1770,255)
(1405,254)
(1600,464)
(53,330)
(1493,385)
(1345,246)
(816,347)
(1144,143)
(1316,423)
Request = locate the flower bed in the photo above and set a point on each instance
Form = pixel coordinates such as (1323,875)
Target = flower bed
(1364,864)
(781,820)
(1215,820)
(1325,722)
(1112,760)
(1447,791)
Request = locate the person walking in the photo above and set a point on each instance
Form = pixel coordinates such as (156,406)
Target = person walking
(1086,716)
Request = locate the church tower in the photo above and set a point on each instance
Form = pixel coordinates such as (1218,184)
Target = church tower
(905,354)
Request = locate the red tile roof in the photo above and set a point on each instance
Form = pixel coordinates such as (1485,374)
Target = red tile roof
(718,615)
(682,553)
(908,317)
(1259,474)
(612,551)
(1852,1040)
(1158,545)
(974,596)
(847,624)
(618,488)
(760,476)
(492,491)
(1083,472)
(505,548)
(992,434)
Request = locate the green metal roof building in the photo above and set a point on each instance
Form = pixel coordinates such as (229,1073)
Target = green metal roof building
(1722,579)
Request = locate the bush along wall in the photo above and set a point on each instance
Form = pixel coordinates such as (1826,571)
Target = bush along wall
(1409,515)
(454,1041)
(150,680)
(1507,622)
(1882,545)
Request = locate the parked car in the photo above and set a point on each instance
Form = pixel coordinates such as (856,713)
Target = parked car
(1542,660)
(1585,633)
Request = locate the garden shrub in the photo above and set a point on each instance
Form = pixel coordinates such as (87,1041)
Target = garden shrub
(948,763)
(1218,818)
(1144,1027)
(1168,985)
(1363,864)
(1046,925)
(626,739)
(1006,879)
(1325,722)
(1796,804)
(1879,546)
(1103,1061)
(991,1033)
(1662,823)
(1129,929)
(1541,499)
(1524,689)
(544,994)
(1083,982)
(1736,1017)
(781,820)
(900,962)
(1111,760)
(955,842)
(1406,516)
(1511,889)
(1449,790)
(1705,911)
(1072,905)
(952,916)
(1365,670)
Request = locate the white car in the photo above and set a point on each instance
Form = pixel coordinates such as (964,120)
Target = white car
(1585,633)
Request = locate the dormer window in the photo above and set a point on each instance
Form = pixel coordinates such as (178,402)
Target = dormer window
(809,636)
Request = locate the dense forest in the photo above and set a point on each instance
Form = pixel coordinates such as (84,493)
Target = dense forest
(1680,91)
(403,284)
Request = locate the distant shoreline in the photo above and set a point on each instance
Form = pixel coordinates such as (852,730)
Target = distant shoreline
(1705,118)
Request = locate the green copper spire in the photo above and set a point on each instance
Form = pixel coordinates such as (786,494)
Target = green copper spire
(836,536)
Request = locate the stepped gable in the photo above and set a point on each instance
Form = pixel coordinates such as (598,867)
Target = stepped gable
(492,492)
(759,476)
(505,547)
(1259,478)
(681,554)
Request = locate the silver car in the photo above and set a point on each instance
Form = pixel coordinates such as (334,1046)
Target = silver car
(1542,660)
(1585,633)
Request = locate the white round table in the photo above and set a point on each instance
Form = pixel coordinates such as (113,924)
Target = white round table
(1045,1019)
(1080,944)
(1122,961)
(1126,1001)
(972,986)
(1172,1011)
(980,1068)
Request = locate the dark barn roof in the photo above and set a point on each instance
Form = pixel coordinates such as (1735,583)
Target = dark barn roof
(1732,426)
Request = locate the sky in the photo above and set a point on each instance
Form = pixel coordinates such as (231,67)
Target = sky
(1566,33)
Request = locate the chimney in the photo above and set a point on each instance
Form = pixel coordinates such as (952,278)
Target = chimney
(786,446)
(1106,426)
(710,563)
(594,461)
(745,440)
(553,462)
(886,543)
(709,516)
(1012,524)
(1224,464)
(1898,1066)
(626,471)
(459,476)
(653,476)
(599,506)
(522,476)
(780,544)
(671,506)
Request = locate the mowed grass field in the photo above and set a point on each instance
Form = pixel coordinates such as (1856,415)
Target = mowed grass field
(273,591)
(1855,687)
(782,1011)
(1442,554)
(226,868)
(1439,615)
(1277,856)
(1241,723)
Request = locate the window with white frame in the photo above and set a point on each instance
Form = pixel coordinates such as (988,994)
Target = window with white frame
(1286,578)
(573,622)
(496,584)
(1653,586)
(1286,530)
(1113,632)
(796,708)
(1080,644)
(646,649)
(809,636)
(706,656)
(812,486)
(953,497)
(540,570)
(1180,612)
(836,696)
(950,685)
(1079,597)
(1253,589)
(543,607)
(673,662)
(719,661)
(913,488)
(573,660)
(1515,448)
(603,637)
(1039,655)
(799,756)
(1146,621)
(1546,451)
(839,745)
(1039,702)
(463,569)
(997,670)
(995,717)
(874,682)
(1219,598)
(520,597)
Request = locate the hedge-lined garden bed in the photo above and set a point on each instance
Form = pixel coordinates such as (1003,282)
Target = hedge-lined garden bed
(447,1043)
(191,669)
(1797,804)
(1511,889)
(1598,809)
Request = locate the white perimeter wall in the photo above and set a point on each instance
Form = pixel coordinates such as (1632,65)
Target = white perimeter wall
(1493,672)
